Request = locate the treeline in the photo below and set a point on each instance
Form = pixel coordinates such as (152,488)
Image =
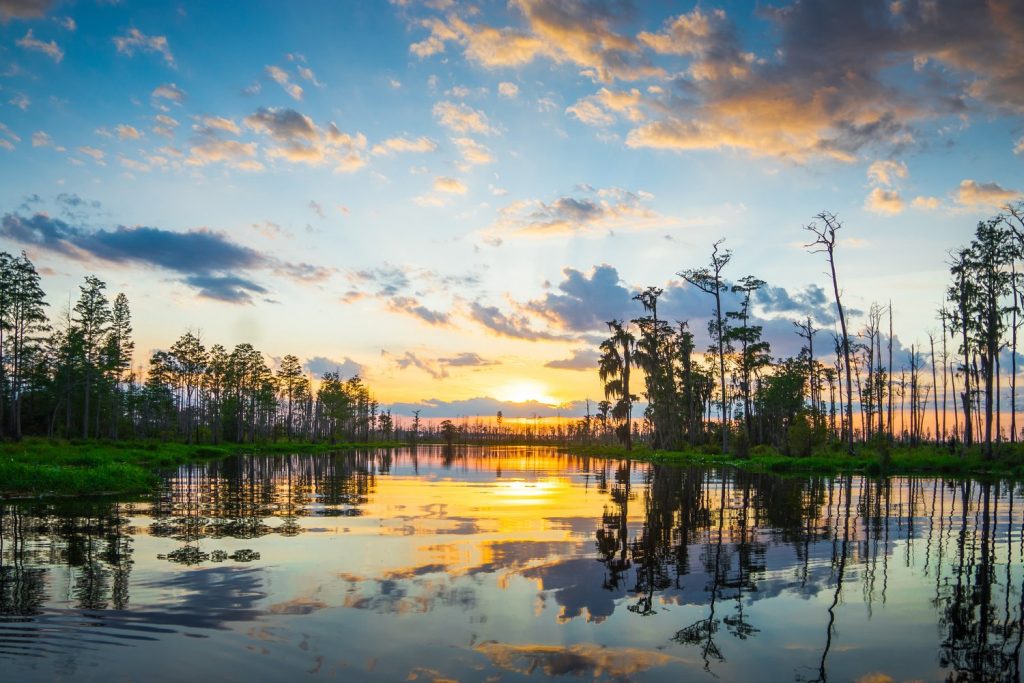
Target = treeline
(72,377)
(844,387)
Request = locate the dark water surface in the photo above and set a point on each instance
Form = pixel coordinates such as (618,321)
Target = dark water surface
(515,564)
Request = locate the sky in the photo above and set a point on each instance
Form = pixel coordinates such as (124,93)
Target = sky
(452,198)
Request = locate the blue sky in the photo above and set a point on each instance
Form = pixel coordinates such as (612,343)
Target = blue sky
(449,197)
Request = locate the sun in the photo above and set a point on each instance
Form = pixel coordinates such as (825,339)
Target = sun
(523,390)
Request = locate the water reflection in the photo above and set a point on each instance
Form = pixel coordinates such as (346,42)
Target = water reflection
(511,563)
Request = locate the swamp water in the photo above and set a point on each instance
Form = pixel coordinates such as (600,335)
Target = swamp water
(507,564)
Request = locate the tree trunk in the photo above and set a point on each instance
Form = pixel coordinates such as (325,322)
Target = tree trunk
(968,430)
(721,365)
(891,431)
(846,356)
(935,389)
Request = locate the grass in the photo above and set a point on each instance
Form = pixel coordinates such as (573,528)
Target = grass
(36,467)
(923,459)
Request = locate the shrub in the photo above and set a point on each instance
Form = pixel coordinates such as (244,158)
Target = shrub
(739,444)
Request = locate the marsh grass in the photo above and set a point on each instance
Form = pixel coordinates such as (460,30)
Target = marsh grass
(875,459)
(36,467)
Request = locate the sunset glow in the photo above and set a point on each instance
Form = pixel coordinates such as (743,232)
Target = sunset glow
(388,189)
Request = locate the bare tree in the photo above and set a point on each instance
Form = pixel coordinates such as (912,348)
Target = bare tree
(825,242)
(709,280)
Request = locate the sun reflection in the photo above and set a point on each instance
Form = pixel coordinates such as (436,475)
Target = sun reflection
(521,492)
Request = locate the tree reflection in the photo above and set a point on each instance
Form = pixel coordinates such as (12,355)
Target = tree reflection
(705,536)
(249,498)
(698,552)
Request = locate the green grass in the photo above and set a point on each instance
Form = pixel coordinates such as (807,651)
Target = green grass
(35,467)
(924,459)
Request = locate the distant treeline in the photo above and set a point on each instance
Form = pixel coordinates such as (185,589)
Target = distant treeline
(737,394)
(72,377)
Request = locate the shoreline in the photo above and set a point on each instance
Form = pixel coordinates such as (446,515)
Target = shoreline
(926,459)
(37,468)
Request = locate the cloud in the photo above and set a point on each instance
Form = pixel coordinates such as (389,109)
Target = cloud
(585,302)
(438,368)
(506,325)
(126,132)
(880,200)
(24,9)
(411,360)
(449,185)
(402,287)
(466,359)
(281,77)
(822,89)
(207,260)
(581,359)
(92,152)
(209,148)
(299,140)
(811,301)
(506,89)
(8,138)
(590,113)
(604,107)
(1019,148)
(21,101)
(402,145)
(974,194)
(580,32)
(429,200)
(227,288)
(462,118)
(170,92)
(592,211)
(219,123)
(387,280)
(929,203)
(41,139)
(410,306)
(135,39)
(886,172)
(166,125)
(50,49)
(319,365)
(473,153)
(485,406)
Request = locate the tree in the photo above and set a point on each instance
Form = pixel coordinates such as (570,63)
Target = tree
(119,350)
(23,313)
(190,359)
(614,369)
(448,432)
(754,351)
(93,320)
(709,280)
(6,290)
(416,425)
(987,263)
(825,242)
(653,356)
(960,293)
(293,385)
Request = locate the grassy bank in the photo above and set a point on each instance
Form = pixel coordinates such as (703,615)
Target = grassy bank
(924,459)
(34,467)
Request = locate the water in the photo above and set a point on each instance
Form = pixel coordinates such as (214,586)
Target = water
(515,564)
